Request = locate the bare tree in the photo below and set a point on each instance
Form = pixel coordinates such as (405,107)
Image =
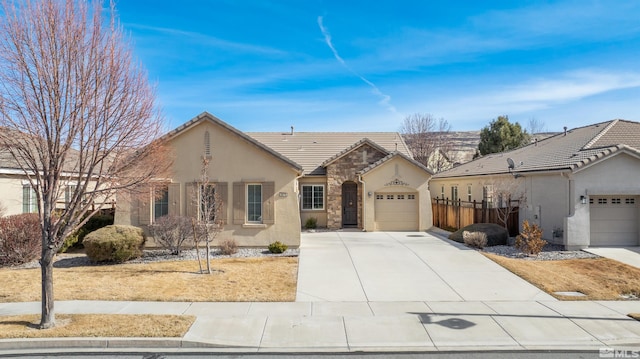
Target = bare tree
(506,196)
(208,222)
(77,115)
(429,140)
(535,126)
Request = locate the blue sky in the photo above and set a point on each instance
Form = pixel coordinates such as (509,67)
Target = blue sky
(328,65)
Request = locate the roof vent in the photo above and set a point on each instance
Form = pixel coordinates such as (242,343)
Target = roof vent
(535,140)
(291,130)
(565,130)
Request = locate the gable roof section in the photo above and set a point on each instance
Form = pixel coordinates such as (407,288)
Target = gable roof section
(578,148)
(205,116)
(355,146)
(313,149)
(390,156)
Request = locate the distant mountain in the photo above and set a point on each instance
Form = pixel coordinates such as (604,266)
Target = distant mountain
(465,144)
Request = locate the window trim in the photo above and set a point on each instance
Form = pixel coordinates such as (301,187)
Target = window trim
(247,205)
(156,202)
(31,205)
(313,187)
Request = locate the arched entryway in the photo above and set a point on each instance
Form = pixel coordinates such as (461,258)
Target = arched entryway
(349,204)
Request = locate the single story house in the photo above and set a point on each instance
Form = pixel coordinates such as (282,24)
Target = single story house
(271,183)
(580,186)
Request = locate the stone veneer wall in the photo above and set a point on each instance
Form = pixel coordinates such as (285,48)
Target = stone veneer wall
(344,170)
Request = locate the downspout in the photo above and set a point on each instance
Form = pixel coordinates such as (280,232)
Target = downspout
(364,194)
(296,187)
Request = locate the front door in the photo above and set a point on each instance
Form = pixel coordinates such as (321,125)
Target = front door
(349,204)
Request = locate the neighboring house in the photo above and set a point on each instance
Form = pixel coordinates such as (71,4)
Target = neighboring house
(17,196)
(271,183)
(581,186)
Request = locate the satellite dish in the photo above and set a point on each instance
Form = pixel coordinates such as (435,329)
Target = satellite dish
(512,164)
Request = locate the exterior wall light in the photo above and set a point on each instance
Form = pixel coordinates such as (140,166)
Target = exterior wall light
(583,199)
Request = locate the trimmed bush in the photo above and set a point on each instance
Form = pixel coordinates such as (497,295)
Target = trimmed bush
(75,239)
(114,243)
(475,239)
(496,234)
(277,247)
(530,241)
(20,239)
(228,246)
(311,223)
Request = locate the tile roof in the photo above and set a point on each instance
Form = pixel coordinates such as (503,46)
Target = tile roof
(312,149)
(579,147)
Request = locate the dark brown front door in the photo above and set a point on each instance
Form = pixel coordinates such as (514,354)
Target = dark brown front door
(349,204)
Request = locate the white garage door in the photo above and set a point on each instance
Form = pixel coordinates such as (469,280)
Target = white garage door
(614,220)
(396,211)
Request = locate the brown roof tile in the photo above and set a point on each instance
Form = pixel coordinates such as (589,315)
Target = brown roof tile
(577,148)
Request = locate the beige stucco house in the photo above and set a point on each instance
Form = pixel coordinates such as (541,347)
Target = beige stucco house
(272,183)
(581,186)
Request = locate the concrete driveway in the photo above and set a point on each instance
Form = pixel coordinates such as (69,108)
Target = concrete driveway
(626,255)
(346,266)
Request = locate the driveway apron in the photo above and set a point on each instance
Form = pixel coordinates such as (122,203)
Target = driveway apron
(345,266)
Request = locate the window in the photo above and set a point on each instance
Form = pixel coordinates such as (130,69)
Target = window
(389,196)
(487,195)
(454,193)
(442,192)
(400,196)
(161,202)
(602,201)
(313,197)
(411,196)
(208,202)
(615,201)
(29,200)
(379,196)
(254,203)
(590,200)
(468,193)
(630,200)
(68,193)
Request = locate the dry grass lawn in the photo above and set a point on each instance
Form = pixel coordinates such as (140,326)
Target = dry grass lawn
(599,278)
(81,325)
(233,280)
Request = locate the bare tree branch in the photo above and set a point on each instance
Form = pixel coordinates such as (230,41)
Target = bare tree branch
(76,114)
(429,141)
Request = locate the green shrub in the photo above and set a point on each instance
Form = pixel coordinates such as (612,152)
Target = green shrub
(75,239)
(311,223)
(530,240)
(228,246)
(475,239)
(20,239)
(114,243)
(277,247)
(496,234)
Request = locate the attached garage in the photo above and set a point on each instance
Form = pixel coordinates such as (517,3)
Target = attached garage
(614,220)
(396,211)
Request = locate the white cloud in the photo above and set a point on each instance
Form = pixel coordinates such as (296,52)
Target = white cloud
(385,99)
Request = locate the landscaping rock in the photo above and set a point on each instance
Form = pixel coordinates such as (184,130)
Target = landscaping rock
(496,234)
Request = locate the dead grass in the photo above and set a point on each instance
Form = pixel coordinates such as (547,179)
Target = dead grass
(84,325)
(599,278)
(233,280)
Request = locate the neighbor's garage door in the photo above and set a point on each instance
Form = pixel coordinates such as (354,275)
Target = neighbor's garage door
(396,211)
(614,220)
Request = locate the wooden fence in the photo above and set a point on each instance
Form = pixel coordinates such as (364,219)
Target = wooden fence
(457,214)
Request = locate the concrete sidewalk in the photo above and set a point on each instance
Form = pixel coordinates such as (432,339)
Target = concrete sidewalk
(364,326)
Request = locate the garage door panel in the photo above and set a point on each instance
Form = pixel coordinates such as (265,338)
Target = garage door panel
(614,221)
(396,212)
